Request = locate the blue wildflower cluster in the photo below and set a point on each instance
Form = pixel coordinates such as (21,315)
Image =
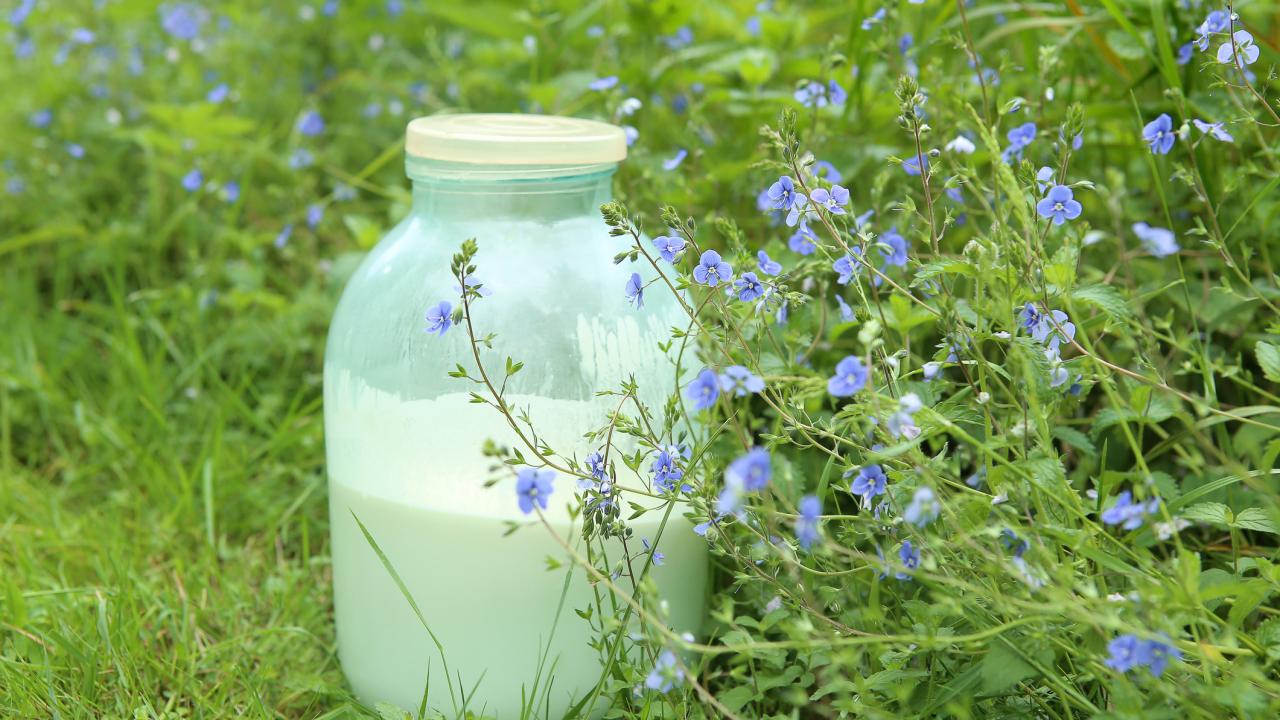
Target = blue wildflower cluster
(939,336)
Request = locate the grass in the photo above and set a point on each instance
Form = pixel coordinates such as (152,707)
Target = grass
(163,505)
(163,500)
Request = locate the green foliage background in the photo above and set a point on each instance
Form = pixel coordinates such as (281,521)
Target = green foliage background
(162,492)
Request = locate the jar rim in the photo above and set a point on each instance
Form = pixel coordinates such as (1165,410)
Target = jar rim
(431,171)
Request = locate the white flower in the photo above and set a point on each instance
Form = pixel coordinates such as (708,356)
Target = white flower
(961,144)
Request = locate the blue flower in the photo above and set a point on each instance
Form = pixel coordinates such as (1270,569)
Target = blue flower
(924,508)
(1215,22)
(1128,514)
(1241,46)
(15,186)
(603,83)
(802,241)
(595,465)
(1159,134)
(669,247)
(897,250)
(902,423)
(439,316)
(1214,129)
(315,213)
(658,556)
(1129,651)
(231,191)
(533,485)
(75,150)
(750,472)
(674,162)
(740,381)
(666,471)
(704,389)
(1011,541)
(910,557)
(1124,653)
(301,158)
(82,36)
(1156,240)
(702,527)
(873,20)
(1054,328)
(749,287)
(814,94)
(19,14)
(183,20)
(192,181)
(911,165)
(218,93)
(729,502)
(1044,178)
(1184,53)
(1156,654)
(1059,204)
(635,290)
(783,195)
(41,118)
(930,370)
(847,266)
(311,124)
(807,524)
(1030,317)
(846,312)
(826,171)
(833,200)
(395,7)
(767,266)
(682,38)
(869,484)
(850,377)
(1019,138)
(282,238)
(711,270)
(666,674)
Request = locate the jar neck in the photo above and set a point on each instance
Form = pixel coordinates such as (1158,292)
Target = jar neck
(444,191)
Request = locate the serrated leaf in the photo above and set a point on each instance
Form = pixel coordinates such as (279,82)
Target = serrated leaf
(1209,512)
(1105,297)
(1075,439)
(1255,519)
(1269,359)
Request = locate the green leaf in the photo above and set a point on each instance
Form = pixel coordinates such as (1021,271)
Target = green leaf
(1106,298)
(1248,600)
(1075,439)
(1269,359)
(1003,666)
(1209,512)
(1255,519)
(737,697)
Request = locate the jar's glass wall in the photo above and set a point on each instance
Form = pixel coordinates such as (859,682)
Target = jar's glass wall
(404,440)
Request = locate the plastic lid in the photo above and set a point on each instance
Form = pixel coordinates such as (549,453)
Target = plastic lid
(510,139)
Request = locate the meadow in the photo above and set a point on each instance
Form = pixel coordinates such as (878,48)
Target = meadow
(991,429)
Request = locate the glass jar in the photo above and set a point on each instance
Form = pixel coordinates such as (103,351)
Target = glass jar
(404,440)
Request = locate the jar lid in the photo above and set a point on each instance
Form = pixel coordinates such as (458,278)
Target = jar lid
(511,139)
